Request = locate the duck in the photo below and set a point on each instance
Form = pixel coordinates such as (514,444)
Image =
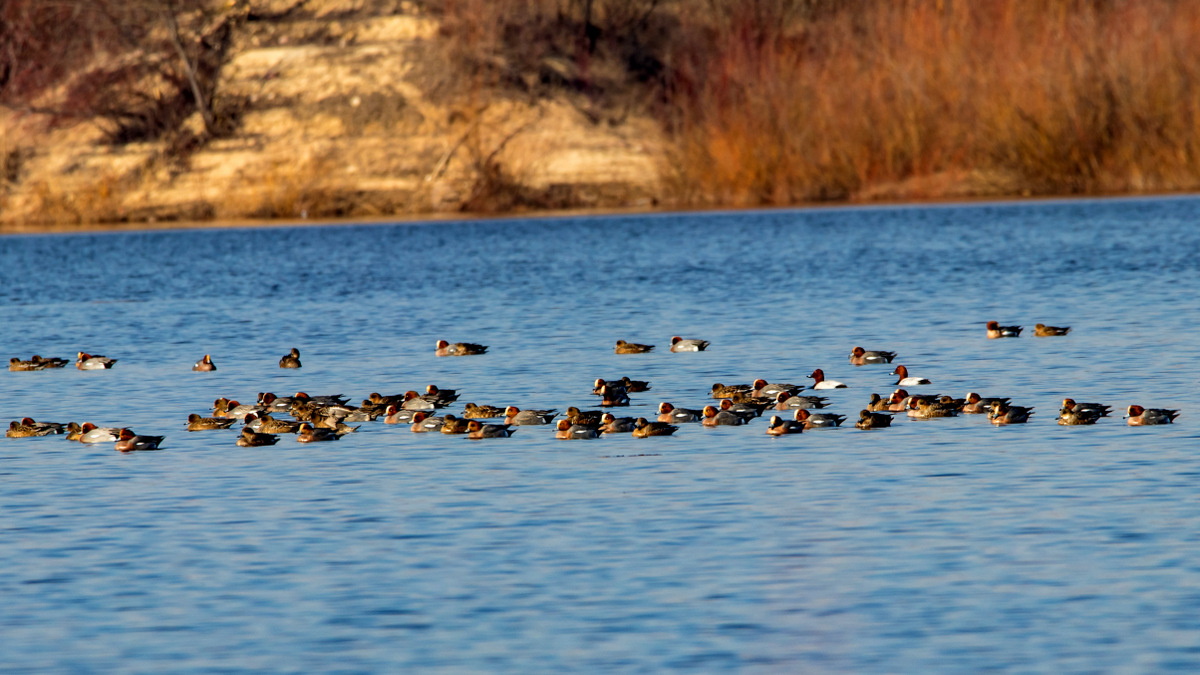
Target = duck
(291,359)
(398,415)
(477,431)
(1098,409)
(611,396)
(872,420)
(611,424)
(198,423)
(762,389)
(679,344)
(747,410)
(1042,330)
(624,347)
(1071,417)
(584,418)
(812,420)
(567,431)
(52,362)
(17,365)
(514,415)
(444,397)
(74,431)
(717,418)
(375,398)
(310,434)
(85,361)
(481,412)
(906,380)
(924,409)
(784,401)
(634,386)
(204,365)
(423,423)
(877,403)
(27,427)
(1003,413)
(236,410)
(459,349)
(251,439)
(976,404)
(271,402)
(1137,416)
(819,381)
(728,390)
(324,399)
(644,429)
(995,330)
(270,425)
(673,415)
(90,433)
(779,426)
(127,441)
(414,401)
(862,357)
(455,425)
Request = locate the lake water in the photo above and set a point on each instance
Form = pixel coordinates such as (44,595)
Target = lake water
(934,546)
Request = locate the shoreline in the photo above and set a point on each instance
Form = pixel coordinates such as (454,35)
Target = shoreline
(9,229)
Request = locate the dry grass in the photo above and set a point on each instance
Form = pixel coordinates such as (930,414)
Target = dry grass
(1068,96)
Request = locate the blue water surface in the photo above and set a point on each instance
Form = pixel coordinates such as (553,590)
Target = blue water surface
(934,546)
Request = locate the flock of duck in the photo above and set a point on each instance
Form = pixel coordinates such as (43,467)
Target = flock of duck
(329,417)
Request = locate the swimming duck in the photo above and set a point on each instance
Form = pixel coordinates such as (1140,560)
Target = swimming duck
(862,357)
(762,389)
(716,418)
(634,386)
(459,349)
(324,399)
(74,431)
(375,398)
(584,418)
(252,422)
(270,425)
(455,425)
(127,441)
(924,409)
(423,423)
(204,365)
(872,420)
(52,362)
(673,415)
(235,410)
(477,431)
(906,380)
(414,401)
(779,426)
(976,404)
(785,402)
(995,330)
(481,412)
(819,381)
(310,434)
(812,420)
(679,344)
(1098,409)
(644,429)
(1003,413)
(198,423)
(877,403)
(624,347)
(747,410)
(27,427)
(15,364)
(273,403)
(90,433)
(610,424)
(611,396)
(1137,416)
(87,361)
(291,359)
(514,415)
(1071,417)
(250,439)
(396,415)
(567,431)
(728,390)
(443,397)
(1042,330)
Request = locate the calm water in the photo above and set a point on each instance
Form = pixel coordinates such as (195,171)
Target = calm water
(935,546)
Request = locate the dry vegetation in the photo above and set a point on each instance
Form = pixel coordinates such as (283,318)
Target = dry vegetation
(757,102)
(784,101)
